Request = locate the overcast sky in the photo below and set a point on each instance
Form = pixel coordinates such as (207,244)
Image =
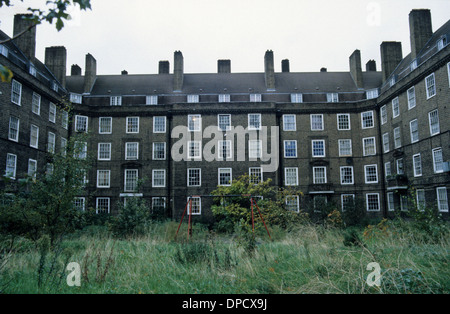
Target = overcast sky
(135,35)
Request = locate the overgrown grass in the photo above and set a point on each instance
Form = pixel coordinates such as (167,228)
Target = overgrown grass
(307,259)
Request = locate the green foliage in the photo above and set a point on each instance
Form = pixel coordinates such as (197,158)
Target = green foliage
(133,218)
(270,200)
(352,237)
(355,213)
(34,207)
(55,11)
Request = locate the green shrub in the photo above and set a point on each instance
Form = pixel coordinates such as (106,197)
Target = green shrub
(133,218)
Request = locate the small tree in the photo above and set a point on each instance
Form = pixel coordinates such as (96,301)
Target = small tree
(236,210)
(134,215)
(45,204)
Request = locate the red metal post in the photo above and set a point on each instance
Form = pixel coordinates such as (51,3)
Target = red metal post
(182,217)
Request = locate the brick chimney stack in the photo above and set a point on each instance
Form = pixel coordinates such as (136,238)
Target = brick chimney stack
(178,71)
(356,68)
(27,41)
(421,30)
(90,73)
(269,69)
(56,62)
(391,56)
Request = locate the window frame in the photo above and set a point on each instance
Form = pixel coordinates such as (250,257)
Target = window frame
(365,120)
(436,162)
(315,177)
(292,125)
(230,173)
(341,147)
(196,143)
(16,92)
(8,160)
(428,80)
(395,107)
(156,125)
(366,173)
(36,101)
(191,176)
(411,99)
(314,149)
(339,122)
(219,123)
(314,126)
(154,178)
(414,132)
(251,126)
(130,183)
(288,149)
(417,163)
(344,175)
(261,174)
(197,126)
(100,152)
(34,127)
(101,126)
(155,157)
(14,129)
(107,179)
(128,149)
(377,199)
(77,125)
(97,203)
(286,176)
(366,147)
(131,127)
(438,200)
(437,122)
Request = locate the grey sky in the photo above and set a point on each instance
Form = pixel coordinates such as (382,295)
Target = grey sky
(135,35)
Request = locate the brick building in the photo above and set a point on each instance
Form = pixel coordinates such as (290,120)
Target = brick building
(335,136)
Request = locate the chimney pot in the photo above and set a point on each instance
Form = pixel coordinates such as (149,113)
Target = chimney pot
(75,70)
(285,66)
(371,65)
(164,67)
(224,66)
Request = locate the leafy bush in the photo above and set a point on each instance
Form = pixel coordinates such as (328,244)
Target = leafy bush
(270,200)
(133,218)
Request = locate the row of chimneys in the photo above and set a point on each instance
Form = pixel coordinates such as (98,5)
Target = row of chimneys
(391,55)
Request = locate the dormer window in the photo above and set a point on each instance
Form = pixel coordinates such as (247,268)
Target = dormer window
(55,86)
(392,81)
(76,98)
(4,51)
(297,98)
(116,101)
(255,97)
(193,98)
(224,98)
(413,65)
(151,100)
(371,94)
(442,42)
(332,97)
(32,70)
